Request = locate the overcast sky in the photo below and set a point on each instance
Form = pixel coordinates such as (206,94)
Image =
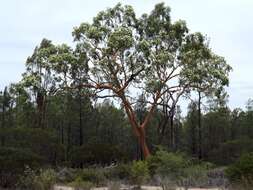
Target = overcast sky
(228,24)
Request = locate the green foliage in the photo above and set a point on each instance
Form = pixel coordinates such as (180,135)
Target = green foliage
(14,159)
(194,176)
(230,151)
(79,184)
(94,175)
(13,162)
(26,180)
(242,170)
(120,172)
(96,153)
(168,184)
(34,140)
(44,123)
(166,163)
(139,172)
(44,179)
(176,169)
(65,175)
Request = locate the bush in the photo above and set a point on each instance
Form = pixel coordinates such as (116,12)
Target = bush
(79,184)
(96,154)
(26,180)
(241,171)
(120,172)
(139,172)
(165,163)
(167,184)
(65,175)
(94,175)
(46,179)
(43,180)
(195,175)
(230,151)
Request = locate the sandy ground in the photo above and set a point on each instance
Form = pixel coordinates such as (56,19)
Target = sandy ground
(59,187)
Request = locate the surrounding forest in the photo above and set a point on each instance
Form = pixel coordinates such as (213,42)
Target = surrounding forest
(112,101)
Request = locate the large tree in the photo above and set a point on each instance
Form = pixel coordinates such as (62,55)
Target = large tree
(125,55)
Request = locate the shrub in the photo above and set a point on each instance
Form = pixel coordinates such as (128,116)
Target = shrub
(46,179)
(79,184)
(97,154)
(230,151)
(165,163)
(242,170)
(26,180)
(43,180)
(121,172)
(167,184)
(217,177)
(195,175)
(139,172)
(94,175)
(12,162)
(65,175)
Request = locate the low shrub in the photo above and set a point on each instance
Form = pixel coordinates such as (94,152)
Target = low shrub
(168,184)
(46,179)
(241,171)
(139,172)
(165,163)
(42,180)
(65,175)
(79,184)
(94,175)
(12,162)
(26,180)
(119,172)
(194,176)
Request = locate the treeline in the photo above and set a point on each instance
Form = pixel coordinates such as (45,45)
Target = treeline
(74,131)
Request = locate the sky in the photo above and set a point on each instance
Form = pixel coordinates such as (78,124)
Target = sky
(227,23)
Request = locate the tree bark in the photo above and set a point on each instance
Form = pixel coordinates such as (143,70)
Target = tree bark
(143,142)
(139,132)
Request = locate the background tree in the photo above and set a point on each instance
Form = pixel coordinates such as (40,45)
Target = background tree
(39,78)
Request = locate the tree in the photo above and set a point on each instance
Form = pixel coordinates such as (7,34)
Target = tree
(209,81)
(39,78)
(249,105)
(191,128)
(140,111)
(125,54)
(5,105)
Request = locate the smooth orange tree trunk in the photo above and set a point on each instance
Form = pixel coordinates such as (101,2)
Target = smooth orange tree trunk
(142,140)
(139,130)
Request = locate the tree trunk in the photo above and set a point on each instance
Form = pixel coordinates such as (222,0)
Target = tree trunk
(80,121)
(143,143)
(139,130)
(200,127)
(172,131)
